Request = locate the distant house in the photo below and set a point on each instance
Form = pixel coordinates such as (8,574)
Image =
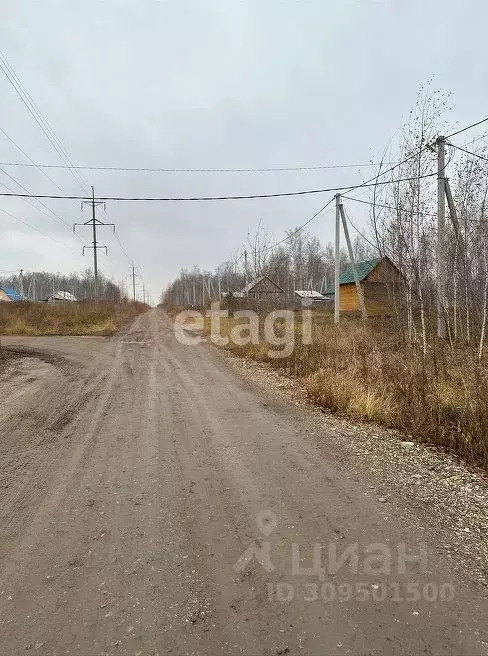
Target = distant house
(308,297)
(378,279)
(8,295)
(260,289)
(263,289)
(60,297)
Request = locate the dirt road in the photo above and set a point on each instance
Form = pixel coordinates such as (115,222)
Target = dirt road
(153,502)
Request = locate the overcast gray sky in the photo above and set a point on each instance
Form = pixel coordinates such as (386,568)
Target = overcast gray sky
(215,83)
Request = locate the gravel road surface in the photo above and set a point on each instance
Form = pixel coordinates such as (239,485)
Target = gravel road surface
(154,501)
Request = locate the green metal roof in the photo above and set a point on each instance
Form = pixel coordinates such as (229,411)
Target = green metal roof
(363,268)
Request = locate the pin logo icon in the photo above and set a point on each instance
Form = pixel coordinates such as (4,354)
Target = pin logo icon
(260,549)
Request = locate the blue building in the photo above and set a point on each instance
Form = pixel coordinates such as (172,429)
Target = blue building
(7,295)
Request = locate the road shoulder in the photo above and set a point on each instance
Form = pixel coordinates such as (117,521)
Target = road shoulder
(423,486)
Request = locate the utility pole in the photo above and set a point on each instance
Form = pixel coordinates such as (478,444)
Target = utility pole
(441,229)
(337,261)
(133,275)
(452,210)
(21,282)
(359,289)
(94,222)
(245,272)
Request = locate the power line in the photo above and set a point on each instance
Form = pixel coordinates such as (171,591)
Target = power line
(26,199)
(473,125)
(469,152)
(122,247)
(32,164)
(143,169)
(118,238)
(235,197)
(28,225)
(300,228)
(483,136)
(387,207)
(358,231)
(38,116)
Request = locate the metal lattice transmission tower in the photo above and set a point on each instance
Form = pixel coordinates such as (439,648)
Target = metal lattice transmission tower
(94,223)
(133,275)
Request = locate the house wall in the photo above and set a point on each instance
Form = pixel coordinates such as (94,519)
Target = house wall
(378,290)
(385,271)
(380,287)
(4,298)
(348,298)
(378,298)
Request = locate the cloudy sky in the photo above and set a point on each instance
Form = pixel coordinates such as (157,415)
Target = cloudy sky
(213,84)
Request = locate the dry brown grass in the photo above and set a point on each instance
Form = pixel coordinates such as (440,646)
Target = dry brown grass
(370,372)
(82,318)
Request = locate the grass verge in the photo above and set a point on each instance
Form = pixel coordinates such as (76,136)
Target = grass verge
(372,373)
(81,318)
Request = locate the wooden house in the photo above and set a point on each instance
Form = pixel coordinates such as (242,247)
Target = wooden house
(379,280)
(263,289)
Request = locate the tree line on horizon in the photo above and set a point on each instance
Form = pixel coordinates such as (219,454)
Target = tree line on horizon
(39,285)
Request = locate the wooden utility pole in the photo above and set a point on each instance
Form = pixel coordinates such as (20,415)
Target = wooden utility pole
(359,289)
(337,260)
(441,229)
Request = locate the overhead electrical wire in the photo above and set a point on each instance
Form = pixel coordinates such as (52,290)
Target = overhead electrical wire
(27,197)
(39,117)
(32,163)
(468,143)
(144,169)
(469,152)
(300,228)
(122,247)
(387,207)
(373,182)
(118,239)
(358,231)
(281,194)
(365,184)
(28,225)
(473,125)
